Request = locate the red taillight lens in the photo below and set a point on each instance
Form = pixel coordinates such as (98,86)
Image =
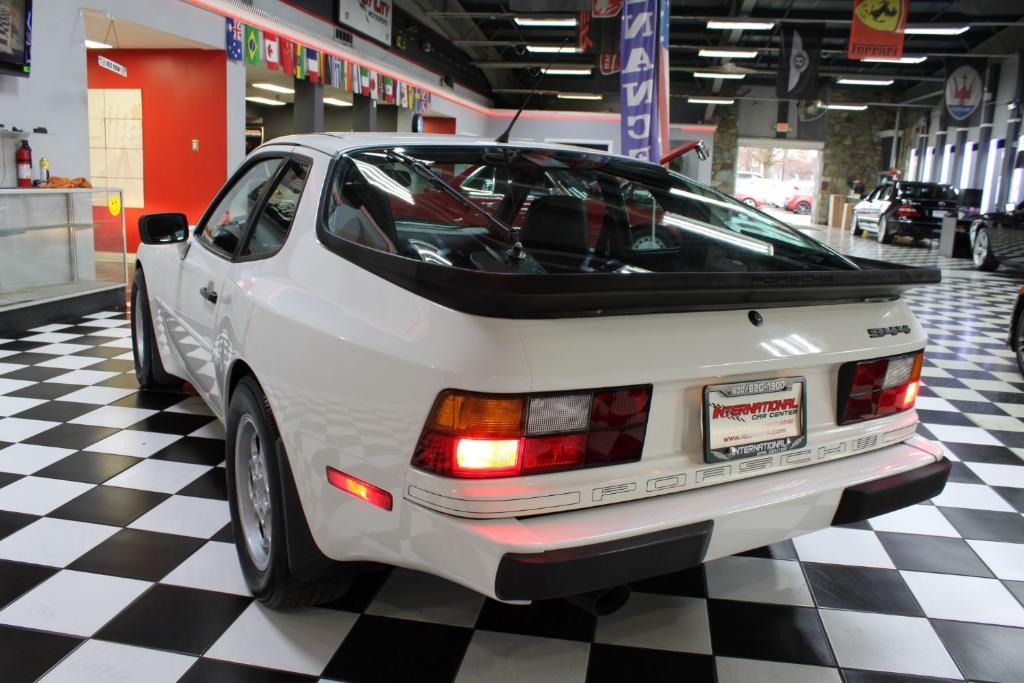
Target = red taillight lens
(875,388)
(359,488)
(474,435)
(907,211)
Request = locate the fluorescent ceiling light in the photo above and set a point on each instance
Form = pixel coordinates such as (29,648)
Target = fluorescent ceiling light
(725,25)
(266,100)
(911,59)
(96,45)
(578,96)
(727,54)
(551,49)
(926,30)
(335,102)
(846,107)
(274,88)
(546,21)
(864,81)
(718,74)
(710,100)
(567,71)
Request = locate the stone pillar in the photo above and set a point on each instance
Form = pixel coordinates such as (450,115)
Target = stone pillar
(309,107)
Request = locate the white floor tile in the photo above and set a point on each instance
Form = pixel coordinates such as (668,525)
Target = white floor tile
(301,641)
(757,579)
(999,475)
(185,516)
(99,661)
(164,476)
(972,496)
(83,377)
(214,567)
(193,405)
(113,332)
(49,328)
(732,670)
(23,458)
(39,495)
(72,362)
(916,519)
(508,658)
(9,385)
(1006,423)
(12,405)
(1006,560)
(1015,409)
(883,642)
(109,321)
(843,546)
(63,349)
(956,394)
(100,396)
(989,385)
(77,603)
(135,443)
(958,434)
(932,403)
(965,598)
(119,343)
(114,416)
(49,337)
(10,367)
(14,429)
(54,542)
(422,597)
(660,622)
(214,430)
(104,314)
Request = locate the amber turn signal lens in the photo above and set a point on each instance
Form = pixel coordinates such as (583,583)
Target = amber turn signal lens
(458,413)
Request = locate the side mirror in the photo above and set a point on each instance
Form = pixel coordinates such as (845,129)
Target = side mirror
(163,228)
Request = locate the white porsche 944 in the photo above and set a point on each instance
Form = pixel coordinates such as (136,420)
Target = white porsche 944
(533,370)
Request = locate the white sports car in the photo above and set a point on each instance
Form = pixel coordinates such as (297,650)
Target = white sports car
(534,370)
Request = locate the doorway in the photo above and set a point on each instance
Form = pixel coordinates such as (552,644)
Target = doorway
(780,177)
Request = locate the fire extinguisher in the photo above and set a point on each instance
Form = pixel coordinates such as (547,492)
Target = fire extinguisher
(23,159)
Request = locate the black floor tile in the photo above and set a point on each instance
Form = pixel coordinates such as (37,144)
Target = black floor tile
(12,521)
(1017,588)
(687,582)
(864,589)
(45,390)
(93,339)
(212,484)
(784,550)
(225,534)
(21,346)
(88,466)
(110,505)
(772,632)
(125,380)
(100,351)
(945,382)
(26,357)
(1003,396)
(853,676)
(959,473)
(213,671)
(137,554)
(1014,497)
(936,554)
(114,365)
(545,618)
(173,423)
(428,652)
(150,400)
(177,619)
(35,373)
(73,436)
(6,477)
(361,592)
(986,525)
(18,578)
(977,407)
(57,411)
(27,655)
(617,664)
(193,450)
(943,417)
(996,455)
(984,652)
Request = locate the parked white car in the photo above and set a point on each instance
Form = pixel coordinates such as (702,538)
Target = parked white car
(501,390)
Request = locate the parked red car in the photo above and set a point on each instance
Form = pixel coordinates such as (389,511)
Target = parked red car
(750,201)
(802,204)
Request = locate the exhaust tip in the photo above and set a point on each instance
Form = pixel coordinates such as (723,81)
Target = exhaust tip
(601,602)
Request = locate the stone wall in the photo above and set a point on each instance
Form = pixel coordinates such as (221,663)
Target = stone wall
(852,148)
(723,157)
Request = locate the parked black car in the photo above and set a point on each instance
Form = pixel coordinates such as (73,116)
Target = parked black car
(904,208)
(998,238)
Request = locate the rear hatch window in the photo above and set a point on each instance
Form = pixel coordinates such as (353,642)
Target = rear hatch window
(927,192)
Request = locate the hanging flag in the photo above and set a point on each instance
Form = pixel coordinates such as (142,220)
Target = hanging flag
(271,50)
(962,95)
(287,56)
(798,62)
(312,65)
(426,103)
(598,33)
(336,66)
(300,62)
(374,93)
(253,45)
(348,68)
(403,96)
(639,127)
(364,81)
(235,38)
(877,29)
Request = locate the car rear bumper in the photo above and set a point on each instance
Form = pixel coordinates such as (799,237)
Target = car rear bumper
(534,558)
(914,228)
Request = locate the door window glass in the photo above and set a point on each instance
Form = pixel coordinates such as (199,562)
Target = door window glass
(272,225)
(226,224)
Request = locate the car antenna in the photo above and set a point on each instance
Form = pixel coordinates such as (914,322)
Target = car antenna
(503,138)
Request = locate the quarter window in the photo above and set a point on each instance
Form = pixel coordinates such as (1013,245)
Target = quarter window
(226,225)
(275,220)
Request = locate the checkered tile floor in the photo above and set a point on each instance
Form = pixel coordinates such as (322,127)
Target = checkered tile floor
(116,562)
(923,253)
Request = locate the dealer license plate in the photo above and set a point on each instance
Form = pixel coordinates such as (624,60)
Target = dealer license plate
(939,214)
(760,417)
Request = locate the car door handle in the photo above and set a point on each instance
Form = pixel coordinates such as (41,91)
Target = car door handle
(208,294)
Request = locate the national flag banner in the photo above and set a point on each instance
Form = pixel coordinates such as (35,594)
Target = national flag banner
(877,29)
(639,127)
(962,96)
(348,68)
(287,56)
(416,99)
(403,95)
(364,81)
(426,102)
(253,45)
(389,90)
(337,66)
(300,62)
(235,38)
(271,50)
(312,65)
(322,66)
(800,57)
(374,92)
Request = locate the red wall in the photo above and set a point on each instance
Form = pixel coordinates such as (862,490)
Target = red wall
(438,124)
(183,98)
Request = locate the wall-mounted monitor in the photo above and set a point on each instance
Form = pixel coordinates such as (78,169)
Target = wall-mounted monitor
(15,37)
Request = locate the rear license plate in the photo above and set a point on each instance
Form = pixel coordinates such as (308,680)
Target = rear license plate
(759,417)
(939,214)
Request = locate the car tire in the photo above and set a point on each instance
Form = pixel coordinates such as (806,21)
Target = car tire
(149,369)
(884,235)
(750,201)
(981,252)
(1018,341)
(256,499)
(803,208)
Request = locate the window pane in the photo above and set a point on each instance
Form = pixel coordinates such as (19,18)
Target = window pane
(271,228)
(228,220)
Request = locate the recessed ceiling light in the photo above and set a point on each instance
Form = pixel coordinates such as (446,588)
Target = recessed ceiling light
(273,87)
(578,96)
(710,100)
(96,45)
(864,81)
(907,59)
(726,25)
(546,21)
(846,107)
(553,48)
(718,74)
(265,100)
(727,54)
(567,71)
(926,30)
(335,102)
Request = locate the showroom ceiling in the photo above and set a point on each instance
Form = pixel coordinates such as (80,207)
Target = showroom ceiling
(494,40)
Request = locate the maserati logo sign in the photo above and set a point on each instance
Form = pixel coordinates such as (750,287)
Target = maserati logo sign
(963,92)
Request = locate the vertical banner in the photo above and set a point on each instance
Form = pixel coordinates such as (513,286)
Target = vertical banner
(877,29)
(663,79)
(598,33)
(235,37)
(962,96)
(799,61)
(639,128)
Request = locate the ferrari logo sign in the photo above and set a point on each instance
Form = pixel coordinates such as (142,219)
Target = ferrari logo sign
(880,15)
(877,29)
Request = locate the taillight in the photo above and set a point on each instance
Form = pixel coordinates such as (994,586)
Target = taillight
(480,435)
(907,211)
(880,387)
